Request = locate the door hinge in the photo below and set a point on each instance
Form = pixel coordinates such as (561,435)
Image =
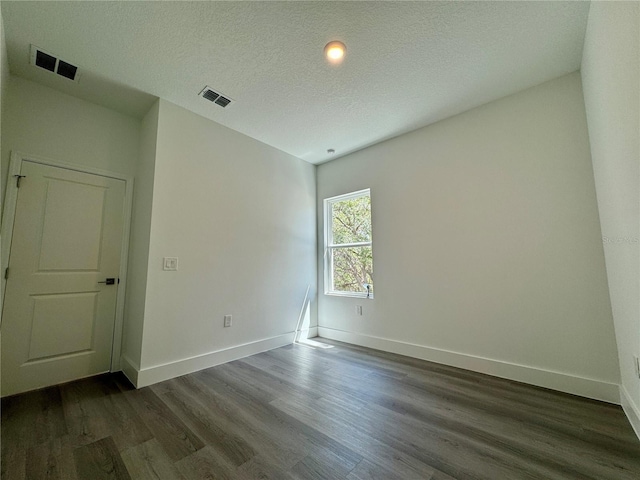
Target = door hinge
(6,273)
(18,178)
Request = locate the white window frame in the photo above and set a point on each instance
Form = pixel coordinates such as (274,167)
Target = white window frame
(329,246)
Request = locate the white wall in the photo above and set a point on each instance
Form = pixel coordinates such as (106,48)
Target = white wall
(610,74)
(42,121)
(240,215)
(486,243)
(4,77)
(139,241)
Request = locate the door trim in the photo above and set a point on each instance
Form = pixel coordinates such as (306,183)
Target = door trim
(6,232)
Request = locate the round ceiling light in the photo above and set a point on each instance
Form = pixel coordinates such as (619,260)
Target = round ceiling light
(334,51)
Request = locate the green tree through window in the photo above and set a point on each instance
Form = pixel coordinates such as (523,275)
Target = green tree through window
(349,248)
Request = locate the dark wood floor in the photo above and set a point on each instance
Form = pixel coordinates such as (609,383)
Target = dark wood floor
(302,413)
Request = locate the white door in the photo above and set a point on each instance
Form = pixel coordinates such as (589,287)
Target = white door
(58,318)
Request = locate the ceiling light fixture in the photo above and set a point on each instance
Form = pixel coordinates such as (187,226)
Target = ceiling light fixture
(331,151)
(334,51)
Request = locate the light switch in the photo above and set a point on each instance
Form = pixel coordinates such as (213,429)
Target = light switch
(170,263)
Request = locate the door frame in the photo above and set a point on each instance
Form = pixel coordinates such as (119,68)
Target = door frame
(6,233)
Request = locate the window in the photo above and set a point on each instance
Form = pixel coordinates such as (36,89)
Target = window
(348,246)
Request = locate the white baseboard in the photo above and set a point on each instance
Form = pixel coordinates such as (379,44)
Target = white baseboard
(584,387)
(129,368)
(150,375)
(312,332)
(630,409)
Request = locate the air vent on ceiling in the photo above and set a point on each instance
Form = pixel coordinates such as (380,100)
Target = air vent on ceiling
(45,60)
(215,97)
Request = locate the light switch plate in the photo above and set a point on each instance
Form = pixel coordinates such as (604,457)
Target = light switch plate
(170,263)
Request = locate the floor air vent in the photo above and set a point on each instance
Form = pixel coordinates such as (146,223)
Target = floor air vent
(45,60)
(215,97)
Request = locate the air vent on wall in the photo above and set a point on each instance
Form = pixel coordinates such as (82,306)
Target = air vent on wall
(215,97)
(45,60)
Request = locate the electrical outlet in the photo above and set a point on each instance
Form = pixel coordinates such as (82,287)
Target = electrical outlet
(636,364)
(227,320)
(359,310)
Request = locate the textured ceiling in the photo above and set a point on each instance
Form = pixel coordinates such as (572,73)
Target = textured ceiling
(408,64)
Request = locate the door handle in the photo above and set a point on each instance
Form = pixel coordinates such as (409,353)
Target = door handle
(109,281)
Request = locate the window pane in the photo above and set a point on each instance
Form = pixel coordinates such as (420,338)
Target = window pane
(352,268)
(351,220)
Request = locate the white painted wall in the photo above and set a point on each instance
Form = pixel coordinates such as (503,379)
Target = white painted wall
(610,74)
(240,215)
(139,241)
(486,244)
(4,78)
(42,121)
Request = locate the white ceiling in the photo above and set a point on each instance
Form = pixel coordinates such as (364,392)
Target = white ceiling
(408,64)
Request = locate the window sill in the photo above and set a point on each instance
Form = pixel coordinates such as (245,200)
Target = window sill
(350,295)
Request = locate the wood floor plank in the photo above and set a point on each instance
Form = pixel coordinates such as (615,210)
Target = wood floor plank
(277,386)
(42,464)
(293,442)
(340,384)
(631,456)
(332,420)
(455,455)
(13,464)
(82,408)
(310,468)
(549,402)
(279,420)
(296,412)
(33,418)
(205,464)
(229,445)
(366,470)
(283,450)
(363,433)
(52,460)
(502,433)
(176,438)
(502,399)
(492,428)
(95,408)
(128,428)
(148,461)
(261,468)
(100,460)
